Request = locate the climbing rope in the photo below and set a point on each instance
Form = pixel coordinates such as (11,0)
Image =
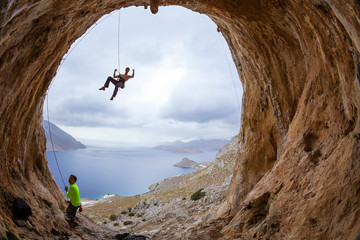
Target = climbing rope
(51,139)
(83,36)
(119,40)
(232,77)
(61,64)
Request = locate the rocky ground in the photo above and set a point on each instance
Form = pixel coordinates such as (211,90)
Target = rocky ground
(168,210)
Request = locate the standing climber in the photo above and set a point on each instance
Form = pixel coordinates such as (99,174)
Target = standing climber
(122,78)
(74,195)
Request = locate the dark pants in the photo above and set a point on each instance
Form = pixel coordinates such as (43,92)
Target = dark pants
(120,83)
(71,211)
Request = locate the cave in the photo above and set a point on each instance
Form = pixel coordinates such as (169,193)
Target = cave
(296,175)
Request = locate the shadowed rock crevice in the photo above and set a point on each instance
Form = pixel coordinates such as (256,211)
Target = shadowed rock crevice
(258,210)
(309,141)
(299,66)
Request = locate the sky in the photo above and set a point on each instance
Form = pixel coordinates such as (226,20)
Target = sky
(185,87)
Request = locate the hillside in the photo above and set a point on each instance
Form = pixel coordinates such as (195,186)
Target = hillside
(62,141)
(167,209)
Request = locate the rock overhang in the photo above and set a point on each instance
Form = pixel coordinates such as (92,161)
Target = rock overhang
(299,65)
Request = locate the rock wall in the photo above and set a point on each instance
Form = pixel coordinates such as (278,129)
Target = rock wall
(297,171)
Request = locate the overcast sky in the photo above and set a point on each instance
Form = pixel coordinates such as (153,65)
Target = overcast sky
(183,88)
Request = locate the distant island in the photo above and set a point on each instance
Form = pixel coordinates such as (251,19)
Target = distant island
(188,163)
(196,146)
(62,140)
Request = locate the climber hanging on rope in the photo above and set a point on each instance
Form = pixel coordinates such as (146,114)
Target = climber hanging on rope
(120,82)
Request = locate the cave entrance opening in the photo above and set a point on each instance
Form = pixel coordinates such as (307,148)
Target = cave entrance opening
(183,88)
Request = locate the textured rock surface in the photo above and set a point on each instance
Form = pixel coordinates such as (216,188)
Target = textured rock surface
(297,171)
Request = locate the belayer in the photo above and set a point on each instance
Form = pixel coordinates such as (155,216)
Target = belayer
(120,82)
(74,195)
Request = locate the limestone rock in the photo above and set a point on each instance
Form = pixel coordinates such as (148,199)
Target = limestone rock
(299,63)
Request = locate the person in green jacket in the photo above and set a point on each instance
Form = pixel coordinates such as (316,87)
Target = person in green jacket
(74,195)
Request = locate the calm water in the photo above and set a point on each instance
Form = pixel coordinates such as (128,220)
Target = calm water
(124,172)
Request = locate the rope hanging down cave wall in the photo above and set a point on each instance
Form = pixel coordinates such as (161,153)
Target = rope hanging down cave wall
(51,140)
(232,77)
(61,64)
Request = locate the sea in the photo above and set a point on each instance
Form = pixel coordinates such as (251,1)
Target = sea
(125,172)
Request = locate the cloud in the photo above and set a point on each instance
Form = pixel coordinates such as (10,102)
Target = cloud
(200,114)
(82,111)
(203,96)
(182,89)
(201,100)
